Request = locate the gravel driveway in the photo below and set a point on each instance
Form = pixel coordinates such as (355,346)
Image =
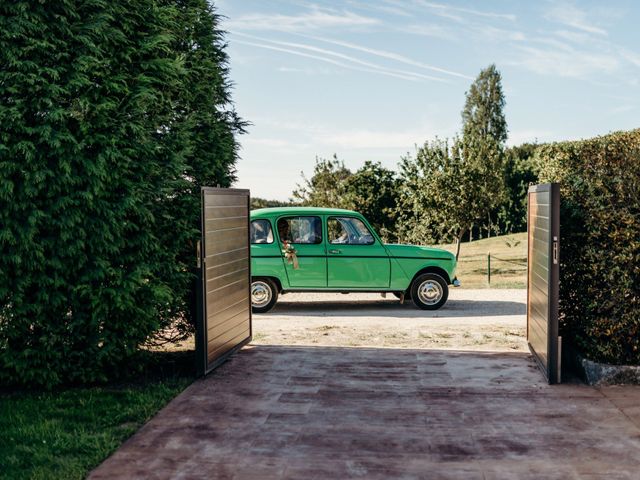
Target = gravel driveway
(471,320)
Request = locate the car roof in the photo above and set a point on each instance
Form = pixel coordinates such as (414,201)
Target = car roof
(274,211)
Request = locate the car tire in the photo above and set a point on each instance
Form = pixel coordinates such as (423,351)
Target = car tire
(264,294)
(429,291)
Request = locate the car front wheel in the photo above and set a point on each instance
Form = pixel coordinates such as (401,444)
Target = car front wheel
(429,291)
(264,295)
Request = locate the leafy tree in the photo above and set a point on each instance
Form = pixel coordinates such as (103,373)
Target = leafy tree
(327,186)
(520,171)
(112,116)
(484,131)
(371,190)
(447,187)
(436,200)
(257,202)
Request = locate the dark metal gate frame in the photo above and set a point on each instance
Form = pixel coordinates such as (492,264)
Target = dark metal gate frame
(544,245)
(206,320)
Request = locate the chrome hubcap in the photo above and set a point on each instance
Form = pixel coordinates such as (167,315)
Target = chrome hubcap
(260,294)
(430,292)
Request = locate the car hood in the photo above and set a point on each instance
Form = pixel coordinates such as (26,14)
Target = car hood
(417,251)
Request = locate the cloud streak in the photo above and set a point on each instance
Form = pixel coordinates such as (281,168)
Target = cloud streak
(452,12)
(346,61)
(566,61)
(572,16)
(313,20)
(350,66)
(390,56)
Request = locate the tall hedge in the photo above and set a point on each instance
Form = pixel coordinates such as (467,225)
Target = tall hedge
(600,243)
(112,114)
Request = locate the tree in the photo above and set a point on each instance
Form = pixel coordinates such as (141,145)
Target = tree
(519,171)
(327,186)
(371,190)
(111,118)
(436,200)
(484,131)
(257,202)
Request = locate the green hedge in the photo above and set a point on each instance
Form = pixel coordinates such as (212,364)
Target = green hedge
(600,243)
(112,114)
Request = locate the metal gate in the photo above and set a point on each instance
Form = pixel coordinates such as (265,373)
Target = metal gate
(543,278)
(224,316)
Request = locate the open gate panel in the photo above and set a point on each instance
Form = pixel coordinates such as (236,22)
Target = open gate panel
(225,324)
(543,277)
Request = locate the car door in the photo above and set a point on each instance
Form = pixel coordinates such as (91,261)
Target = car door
(304,233)
(355,256)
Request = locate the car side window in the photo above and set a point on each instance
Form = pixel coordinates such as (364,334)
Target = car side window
(348,231)
(260,231)
(300,230)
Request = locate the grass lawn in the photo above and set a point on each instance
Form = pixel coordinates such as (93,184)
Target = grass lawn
(508,262)
(64,434)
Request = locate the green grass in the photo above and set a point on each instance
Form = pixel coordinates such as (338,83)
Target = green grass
(64,434)
(508,262)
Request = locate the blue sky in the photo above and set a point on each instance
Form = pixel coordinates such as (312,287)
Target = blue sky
(368,80)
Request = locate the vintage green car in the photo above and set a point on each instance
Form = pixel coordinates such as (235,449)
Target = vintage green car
(306,249)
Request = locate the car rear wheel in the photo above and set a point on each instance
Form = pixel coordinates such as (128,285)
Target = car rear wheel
(264,294)
(429,291)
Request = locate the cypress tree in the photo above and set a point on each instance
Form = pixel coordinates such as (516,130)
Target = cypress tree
(484,132)
(112,114)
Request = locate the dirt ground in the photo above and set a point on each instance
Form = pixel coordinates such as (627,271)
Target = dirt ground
(488,320)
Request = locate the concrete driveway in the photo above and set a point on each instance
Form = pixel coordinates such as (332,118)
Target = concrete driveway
(311,411)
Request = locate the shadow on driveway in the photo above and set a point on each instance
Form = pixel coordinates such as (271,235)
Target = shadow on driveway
(393,308)
(334,412)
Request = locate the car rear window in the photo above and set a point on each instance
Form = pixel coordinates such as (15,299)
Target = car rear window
(261,232)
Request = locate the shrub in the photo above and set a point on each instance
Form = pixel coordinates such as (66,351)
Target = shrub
(600,243)
(112,115)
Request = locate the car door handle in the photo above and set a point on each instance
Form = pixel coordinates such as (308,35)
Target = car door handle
(335,251)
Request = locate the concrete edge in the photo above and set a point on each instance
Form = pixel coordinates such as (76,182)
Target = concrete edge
(595,373)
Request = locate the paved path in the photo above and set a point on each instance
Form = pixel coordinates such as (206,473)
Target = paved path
(337,412)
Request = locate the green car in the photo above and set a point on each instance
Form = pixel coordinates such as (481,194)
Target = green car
(306,249)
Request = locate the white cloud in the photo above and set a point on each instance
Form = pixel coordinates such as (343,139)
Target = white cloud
(366,139)
(387,8)
(311,71)
(408,75)
(447,11)
(630,56)
(500,34)
(430,30)
(313,20)
(571,16)
(572,36)
(565,61)
(391,56)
